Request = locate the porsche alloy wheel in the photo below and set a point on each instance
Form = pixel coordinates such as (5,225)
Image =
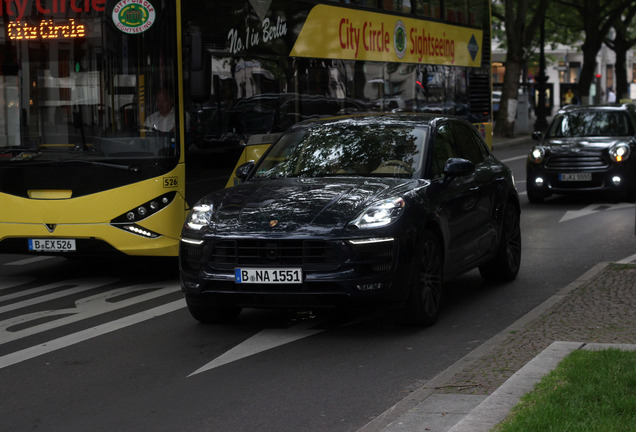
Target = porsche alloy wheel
(425,294)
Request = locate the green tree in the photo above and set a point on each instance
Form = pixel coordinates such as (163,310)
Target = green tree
(521,22)
(624,39)
(595,19)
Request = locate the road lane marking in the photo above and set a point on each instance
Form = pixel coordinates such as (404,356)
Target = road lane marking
(14,281)
(30,324)
(75,338)
(263,341)
(628,260)
(30,260)
(513,159)
(591,209)
(79,286)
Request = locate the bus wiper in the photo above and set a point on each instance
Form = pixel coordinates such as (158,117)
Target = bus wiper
(97,163)
(23,155)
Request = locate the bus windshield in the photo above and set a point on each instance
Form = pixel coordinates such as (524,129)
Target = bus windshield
(87,80)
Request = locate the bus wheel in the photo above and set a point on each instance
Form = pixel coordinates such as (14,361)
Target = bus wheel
(215,313)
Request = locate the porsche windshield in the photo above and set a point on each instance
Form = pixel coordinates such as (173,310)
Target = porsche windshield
(371,150)
(79,82)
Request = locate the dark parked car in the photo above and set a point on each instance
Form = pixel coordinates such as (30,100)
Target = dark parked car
(354,210)
(586,148)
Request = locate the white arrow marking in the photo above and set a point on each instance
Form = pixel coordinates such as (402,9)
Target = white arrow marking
(591,209)
(263,341)
(84,335)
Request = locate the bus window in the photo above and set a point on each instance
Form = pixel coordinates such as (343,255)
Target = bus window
(85,82)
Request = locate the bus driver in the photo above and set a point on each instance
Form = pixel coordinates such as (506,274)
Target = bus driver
(163,119)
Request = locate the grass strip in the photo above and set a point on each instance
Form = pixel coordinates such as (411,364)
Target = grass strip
(588,391)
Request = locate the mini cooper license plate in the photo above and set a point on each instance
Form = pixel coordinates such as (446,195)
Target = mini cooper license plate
(52,245)
(575,177)
(268,276)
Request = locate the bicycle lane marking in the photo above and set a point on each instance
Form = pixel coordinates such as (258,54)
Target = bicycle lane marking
(84,335)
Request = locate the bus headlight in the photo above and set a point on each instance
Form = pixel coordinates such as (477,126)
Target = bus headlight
(145,210)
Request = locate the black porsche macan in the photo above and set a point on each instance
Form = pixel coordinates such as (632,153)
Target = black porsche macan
(354,210)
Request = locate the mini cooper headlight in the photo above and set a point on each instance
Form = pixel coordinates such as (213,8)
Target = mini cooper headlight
(380,214)
(619,152)
(200,216)
(537,154)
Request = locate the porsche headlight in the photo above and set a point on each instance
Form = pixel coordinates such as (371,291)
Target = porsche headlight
(537,154)
(380,214)
(200,216)
(619,152)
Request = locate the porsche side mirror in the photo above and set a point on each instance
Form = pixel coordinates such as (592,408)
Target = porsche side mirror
(458,167)
(244,170)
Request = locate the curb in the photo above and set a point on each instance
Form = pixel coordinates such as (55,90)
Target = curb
(399,412)
(495,408)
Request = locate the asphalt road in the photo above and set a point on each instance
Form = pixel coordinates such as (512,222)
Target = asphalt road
(108,345)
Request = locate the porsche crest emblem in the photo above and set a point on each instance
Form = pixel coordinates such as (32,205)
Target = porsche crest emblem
(273,223)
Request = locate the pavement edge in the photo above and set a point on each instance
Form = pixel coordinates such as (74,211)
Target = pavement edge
(418,396)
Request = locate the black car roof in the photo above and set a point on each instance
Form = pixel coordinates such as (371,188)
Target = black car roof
(575,108)
(411,119)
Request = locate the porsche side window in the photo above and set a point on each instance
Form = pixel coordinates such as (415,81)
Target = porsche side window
(466,144)
(442,150)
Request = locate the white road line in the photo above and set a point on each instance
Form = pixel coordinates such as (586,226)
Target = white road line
(263,341)
(72,339)
(30,260)
(628,260)
(79,285)
(85,308)
(513,159)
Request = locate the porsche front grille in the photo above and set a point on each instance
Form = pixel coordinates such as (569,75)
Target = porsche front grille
(311,254)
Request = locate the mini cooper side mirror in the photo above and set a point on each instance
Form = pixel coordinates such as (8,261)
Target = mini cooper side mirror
(457,167)
(244,170)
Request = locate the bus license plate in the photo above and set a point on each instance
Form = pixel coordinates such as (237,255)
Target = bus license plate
(52,245)
(575,177)
(268,276)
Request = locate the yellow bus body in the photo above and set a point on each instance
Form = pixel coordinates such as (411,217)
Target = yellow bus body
(89,216)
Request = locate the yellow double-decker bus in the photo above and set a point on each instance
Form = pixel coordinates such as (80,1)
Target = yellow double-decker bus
(117,115)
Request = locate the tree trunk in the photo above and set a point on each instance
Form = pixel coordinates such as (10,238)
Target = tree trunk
(505,125)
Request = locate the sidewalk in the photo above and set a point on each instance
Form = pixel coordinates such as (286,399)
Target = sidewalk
(478,391)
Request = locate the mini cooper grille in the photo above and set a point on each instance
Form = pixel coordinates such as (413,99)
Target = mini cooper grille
(311,254)
(576,162)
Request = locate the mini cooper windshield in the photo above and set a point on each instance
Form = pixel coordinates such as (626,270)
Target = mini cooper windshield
(342,149)
(592,123)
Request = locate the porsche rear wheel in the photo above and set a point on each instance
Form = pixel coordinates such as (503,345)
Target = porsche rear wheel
(505,266)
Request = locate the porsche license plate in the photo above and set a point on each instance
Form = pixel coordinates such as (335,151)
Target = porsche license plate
(575,177)
(52,245)
(268,276)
